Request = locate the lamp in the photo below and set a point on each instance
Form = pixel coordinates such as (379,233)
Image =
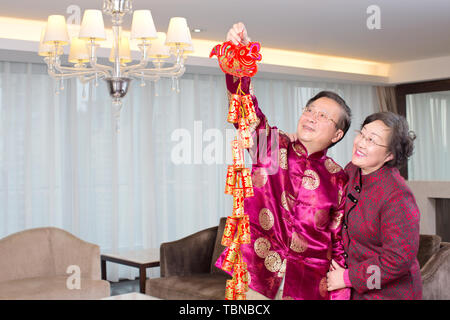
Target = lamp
(158,49)
(46,50)
(154,47)
(78,51)
(142,26)
(56,31)
(124,51)
(178,33)
(92,26)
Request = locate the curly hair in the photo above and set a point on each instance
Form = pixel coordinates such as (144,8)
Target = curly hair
(401,142)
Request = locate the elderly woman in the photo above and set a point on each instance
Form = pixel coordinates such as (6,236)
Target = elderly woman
(381,222)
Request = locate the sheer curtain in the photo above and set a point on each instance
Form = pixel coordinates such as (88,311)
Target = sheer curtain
(63,164)
(428,116)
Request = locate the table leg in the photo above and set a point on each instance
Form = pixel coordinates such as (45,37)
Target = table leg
(103,269)
(142,278)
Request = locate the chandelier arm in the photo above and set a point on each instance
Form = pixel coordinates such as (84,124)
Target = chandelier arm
(85,70)
(174,68)
(140,65)
(84,79)
(160,74)
(67,75)
(100,67)
(77,71)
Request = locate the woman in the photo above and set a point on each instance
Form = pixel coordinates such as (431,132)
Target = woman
(381,222)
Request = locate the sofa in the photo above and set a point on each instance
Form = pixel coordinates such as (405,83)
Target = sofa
(434,261)
(34,263)
(188,271)
(187,268)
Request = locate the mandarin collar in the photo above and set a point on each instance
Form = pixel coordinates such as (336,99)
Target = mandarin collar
(372,177)
(316,155)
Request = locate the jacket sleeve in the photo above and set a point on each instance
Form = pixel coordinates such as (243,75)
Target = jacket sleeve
(337,250)
(265,138)
(399,228)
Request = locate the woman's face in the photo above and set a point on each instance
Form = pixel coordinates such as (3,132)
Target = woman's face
(370,147)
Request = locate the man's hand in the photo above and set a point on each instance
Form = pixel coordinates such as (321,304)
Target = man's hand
(238,34)
(292,136)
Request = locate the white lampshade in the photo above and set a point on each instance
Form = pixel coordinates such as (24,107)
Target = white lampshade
(56,30)
(178,33)
(142,26)
(78,51)
(188,50)
(124,51)
(158,48)
(46,50)
(92,26)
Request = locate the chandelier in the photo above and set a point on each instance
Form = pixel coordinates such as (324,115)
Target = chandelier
(166,52)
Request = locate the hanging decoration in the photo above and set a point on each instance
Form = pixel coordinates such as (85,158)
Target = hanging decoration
(239,61)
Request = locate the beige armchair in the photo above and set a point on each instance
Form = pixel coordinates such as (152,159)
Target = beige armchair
(34,262)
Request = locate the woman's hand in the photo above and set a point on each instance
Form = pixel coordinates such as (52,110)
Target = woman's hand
(335,277)
(238,34)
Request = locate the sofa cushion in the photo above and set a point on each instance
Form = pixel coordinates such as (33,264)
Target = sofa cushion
(26,254)
(52,288)
(428,245)
(193,287)
(218,247)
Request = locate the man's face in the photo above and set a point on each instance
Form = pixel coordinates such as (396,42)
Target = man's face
(316,128)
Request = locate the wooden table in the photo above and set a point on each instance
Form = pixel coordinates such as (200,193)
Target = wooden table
(141,259)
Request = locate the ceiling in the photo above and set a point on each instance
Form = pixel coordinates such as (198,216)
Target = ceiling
(410,30)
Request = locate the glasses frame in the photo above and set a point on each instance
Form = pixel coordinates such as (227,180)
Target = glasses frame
(315,114)
(361,135)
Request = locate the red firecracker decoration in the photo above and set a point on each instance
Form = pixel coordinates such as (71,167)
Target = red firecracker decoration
(239,61)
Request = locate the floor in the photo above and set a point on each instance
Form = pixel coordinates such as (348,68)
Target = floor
(124,286)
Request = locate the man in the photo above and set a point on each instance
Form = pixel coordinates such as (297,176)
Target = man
(296,212)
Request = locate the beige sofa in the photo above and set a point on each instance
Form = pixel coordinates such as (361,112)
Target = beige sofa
(33,265)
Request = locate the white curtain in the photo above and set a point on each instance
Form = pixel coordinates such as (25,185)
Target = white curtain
(63,164)
(428,116)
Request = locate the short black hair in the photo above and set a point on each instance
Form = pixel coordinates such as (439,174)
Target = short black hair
(401,142)
(345,120)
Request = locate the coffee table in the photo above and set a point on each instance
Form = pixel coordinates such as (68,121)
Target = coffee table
(141,259)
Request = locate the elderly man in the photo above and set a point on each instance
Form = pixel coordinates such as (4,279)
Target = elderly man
(297,208)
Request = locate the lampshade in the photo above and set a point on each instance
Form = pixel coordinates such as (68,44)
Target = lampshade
(188,50)
(142,26)
(158,48)
(78,51)
(46,50)
(92,26)
(56,30)
(178,33)
(124,51)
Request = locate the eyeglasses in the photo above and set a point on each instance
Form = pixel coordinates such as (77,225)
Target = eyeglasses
(320,116)
(370,140)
